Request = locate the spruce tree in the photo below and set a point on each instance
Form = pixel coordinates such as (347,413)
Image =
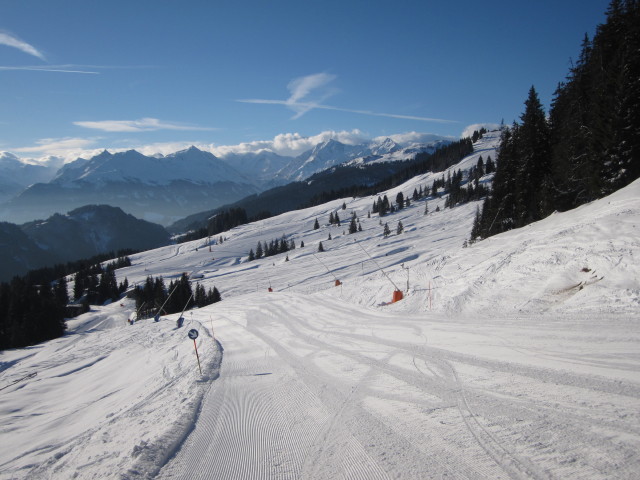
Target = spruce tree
(353,226)
(534,169)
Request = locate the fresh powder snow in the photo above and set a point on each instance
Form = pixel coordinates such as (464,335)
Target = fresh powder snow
(514,357)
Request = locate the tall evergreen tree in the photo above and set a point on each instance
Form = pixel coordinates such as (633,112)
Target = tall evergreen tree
(534,161)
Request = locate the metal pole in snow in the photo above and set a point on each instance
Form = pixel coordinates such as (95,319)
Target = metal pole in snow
(197,356)
(193,334)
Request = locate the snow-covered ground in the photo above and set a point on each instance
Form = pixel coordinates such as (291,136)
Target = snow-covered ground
(515,357)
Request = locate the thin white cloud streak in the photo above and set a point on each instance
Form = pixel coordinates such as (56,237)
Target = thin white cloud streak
(70,68)
(141,125)
(52,68)
(309,106)
(302,87)
(63,147)
(11,41)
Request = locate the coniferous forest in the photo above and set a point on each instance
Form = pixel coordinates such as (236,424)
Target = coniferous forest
(589,144)
(155,298)
(33,307)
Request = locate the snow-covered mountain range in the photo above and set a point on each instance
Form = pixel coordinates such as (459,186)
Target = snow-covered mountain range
(512,357)
(163,189)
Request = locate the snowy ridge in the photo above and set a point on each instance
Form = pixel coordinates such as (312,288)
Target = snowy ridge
(331,153)
(191,165)
(515,357)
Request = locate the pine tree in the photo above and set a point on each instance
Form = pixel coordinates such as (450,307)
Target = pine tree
(490,167)
(476,229)
(215,295)
(480,167)
(320,247)
(386,232)
(316,225)
(534,162)
(400,227)
(353,226)
(61,292)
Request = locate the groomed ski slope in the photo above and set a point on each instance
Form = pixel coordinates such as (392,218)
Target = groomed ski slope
(516,357)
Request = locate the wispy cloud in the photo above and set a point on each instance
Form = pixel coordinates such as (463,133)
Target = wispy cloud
(301,88)
(12,41)
(50,68)
(141,125)
(58,146)
(71,68)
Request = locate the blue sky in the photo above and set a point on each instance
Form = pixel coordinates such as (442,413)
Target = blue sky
(78,76)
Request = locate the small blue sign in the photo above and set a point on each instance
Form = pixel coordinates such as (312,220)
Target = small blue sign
(193,334)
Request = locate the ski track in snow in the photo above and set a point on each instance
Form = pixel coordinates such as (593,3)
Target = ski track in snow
(472,417)
(514,358)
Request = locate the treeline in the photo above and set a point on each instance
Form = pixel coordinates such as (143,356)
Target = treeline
(274,247)
(51,274)
(31,313)
(96,284)
(460,192)
(33,307)
(154,295)
(589,144)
